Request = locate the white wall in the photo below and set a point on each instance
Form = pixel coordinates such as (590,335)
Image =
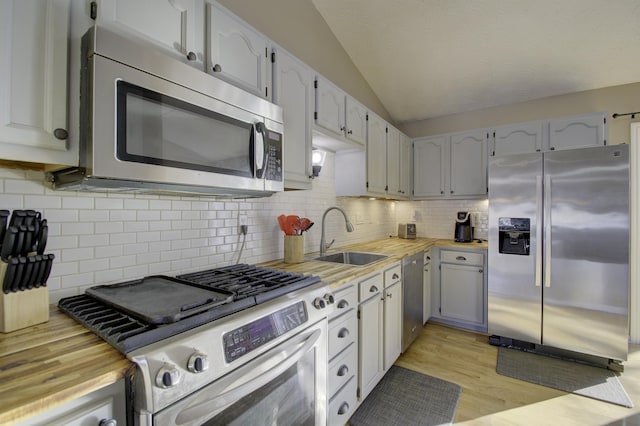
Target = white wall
(100,239)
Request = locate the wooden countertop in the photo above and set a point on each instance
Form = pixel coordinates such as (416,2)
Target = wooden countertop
(61,360)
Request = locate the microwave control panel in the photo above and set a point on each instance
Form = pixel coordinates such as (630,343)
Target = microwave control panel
(273,145)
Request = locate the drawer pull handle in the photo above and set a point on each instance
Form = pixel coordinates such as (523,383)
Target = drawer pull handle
(461,258)
(373,289)
(344,332)
(343,370)
(344,408)
(389,295)
(395,276)
(343,304)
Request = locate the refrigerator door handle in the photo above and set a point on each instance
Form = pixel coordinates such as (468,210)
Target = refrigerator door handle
(547,231)
(539,222)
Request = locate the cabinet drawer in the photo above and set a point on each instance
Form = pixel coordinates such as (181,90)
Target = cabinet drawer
(342,368)
(461,257)
(342,332)
(392,275)
(370,287)
(346,298)
(343,403)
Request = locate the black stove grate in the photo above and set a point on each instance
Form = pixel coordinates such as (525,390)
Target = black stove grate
(251,285)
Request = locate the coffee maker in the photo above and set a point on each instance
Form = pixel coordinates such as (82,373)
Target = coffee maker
(463,232)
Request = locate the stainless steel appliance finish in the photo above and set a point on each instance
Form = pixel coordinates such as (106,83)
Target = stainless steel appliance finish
(412,289)
(570,288)
(152,124)
(407,230)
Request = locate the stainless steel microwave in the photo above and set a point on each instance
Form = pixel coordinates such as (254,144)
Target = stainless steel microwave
(149,123)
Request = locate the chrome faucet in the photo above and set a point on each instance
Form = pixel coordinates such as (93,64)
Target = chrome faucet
(323,243)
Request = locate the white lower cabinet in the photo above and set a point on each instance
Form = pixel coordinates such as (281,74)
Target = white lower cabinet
(343,355)
(96,408)
(426,290)
(461,294)
(370,330)
(392,297)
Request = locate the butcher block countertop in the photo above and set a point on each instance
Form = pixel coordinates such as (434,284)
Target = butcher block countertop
(58,361)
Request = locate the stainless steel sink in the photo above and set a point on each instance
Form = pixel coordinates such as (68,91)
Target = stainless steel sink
(356,258)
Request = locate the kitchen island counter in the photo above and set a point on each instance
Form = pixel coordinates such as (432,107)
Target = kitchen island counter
(58,361)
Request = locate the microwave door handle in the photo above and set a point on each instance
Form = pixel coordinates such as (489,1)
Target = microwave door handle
(259,153)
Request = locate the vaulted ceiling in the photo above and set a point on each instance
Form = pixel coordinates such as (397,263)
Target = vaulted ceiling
(429,58)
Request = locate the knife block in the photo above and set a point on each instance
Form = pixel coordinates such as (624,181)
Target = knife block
(23,308)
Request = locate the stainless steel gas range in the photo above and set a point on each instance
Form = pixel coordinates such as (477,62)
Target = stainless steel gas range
(234,345)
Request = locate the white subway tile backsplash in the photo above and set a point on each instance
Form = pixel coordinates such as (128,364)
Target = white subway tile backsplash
(71,255)
(39,202)
(109,204)
(76,202)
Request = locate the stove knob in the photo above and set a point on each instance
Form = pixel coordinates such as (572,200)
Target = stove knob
(168,376)
(319,303)
(198,362)
(329,298)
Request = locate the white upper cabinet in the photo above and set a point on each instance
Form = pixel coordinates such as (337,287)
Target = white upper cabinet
(468,163)
(393,162)
(330,104)
(176,26)
(376,155)
(517,138)
(405,166)
(356,121)
(578,132)
(237,53)
(293,90)
(33,82)
(429,164)
(549,135)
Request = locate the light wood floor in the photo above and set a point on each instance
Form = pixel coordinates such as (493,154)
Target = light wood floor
(466,358)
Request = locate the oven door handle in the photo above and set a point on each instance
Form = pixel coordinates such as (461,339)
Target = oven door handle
(252,378)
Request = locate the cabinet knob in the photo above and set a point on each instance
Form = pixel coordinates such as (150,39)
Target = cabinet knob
(373,289)
(343,370)
(342,129)
(217,68)
(108,422)
(480,270)
(344,408)
(442,192)
(191,56)
(389,295)
(61,134)
(552,148)
(350,132)
(344,332)
(452,191)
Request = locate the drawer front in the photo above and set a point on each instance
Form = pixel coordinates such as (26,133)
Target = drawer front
(371,287)
(342,332)
(342,369)
(343,404)
(392,275)
(461,257)
(345,299)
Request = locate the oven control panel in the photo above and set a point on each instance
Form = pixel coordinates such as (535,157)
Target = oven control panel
(251,336)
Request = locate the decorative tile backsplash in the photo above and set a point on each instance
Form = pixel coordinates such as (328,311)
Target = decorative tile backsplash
(99,238)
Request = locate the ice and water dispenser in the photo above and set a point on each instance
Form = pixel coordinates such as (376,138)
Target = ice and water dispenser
(514,235)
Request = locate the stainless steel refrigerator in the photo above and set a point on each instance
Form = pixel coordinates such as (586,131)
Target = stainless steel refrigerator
(558,262)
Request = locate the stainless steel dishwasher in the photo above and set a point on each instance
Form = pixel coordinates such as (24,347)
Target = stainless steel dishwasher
(412,273)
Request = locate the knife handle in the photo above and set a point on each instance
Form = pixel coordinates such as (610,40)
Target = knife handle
(25,282)
(47,269)
(42,238)
(9,275)
(9,242)
(17,279)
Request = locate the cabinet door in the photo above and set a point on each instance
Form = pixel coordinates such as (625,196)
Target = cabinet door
(370,329)
(405,165)
(376,155)
(517,139)
(468,163)
(392,324)
(426,290)
(237,53)
(462,292)
(33,82)
(330,104)
(170,24)
(356,121)
(393,162)
(293,91)
(577,132)
(429,159)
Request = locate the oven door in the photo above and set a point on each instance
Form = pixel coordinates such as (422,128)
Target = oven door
(145,128)
(285,386)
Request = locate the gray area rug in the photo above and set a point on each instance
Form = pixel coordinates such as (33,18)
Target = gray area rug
(405,397)
(593,382)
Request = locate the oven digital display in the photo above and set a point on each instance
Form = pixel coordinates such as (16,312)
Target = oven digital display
(251,336)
